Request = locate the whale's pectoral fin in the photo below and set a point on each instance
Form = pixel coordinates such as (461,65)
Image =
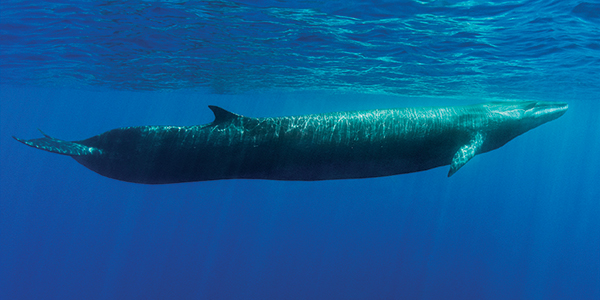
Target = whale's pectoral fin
(465,153)
(53,145)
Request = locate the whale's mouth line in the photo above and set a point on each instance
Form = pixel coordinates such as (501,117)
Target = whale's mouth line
(551,108)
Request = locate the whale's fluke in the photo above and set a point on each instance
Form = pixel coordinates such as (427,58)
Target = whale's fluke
(54,145)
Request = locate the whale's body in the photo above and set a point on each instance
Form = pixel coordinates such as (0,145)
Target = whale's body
(339,145)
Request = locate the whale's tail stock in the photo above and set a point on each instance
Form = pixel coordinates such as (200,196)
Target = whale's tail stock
(55,145)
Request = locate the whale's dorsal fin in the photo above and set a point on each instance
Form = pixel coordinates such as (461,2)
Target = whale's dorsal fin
(222,115)
(465,153)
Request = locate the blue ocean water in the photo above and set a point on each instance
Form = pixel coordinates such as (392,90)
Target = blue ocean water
(520,222)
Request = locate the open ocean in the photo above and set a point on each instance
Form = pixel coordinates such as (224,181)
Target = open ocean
(520,222)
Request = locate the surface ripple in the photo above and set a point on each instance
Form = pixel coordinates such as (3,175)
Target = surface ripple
(505,49)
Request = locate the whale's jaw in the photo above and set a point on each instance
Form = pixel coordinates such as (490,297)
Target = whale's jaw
(548,111)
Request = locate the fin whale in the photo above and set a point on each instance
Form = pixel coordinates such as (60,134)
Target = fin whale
(340,145)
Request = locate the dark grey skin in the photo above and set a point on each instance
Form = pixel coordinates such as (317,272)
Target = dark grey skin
(341,145)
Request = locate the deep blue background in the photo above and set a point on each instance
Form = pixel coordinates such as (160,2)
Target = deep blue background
(521,222)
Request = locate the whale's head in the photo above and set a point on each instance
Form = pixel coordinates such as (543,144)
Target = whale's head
(513,118)
(529,114)
(539,113)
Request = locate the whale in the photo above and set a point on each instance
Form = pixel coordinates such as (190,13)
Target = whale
(338,145)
